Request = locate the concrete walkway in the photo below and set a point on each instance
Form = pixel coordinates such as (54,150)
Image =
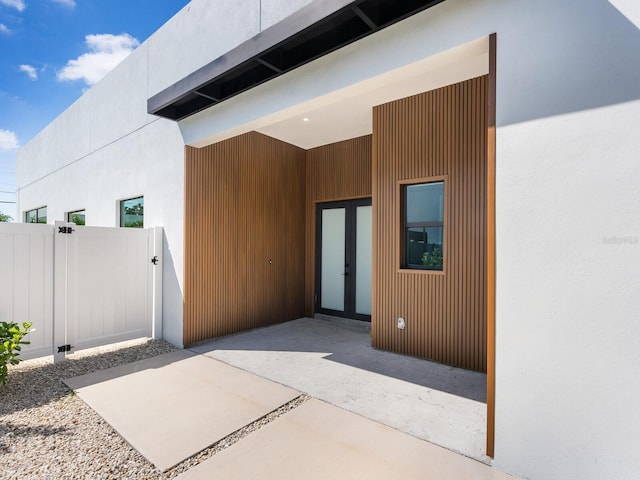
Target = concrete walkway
(171,407)
(318,441)
(332,360)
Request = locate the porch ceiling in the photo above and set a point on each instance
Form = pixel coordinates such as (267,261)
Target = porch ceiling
(347,113)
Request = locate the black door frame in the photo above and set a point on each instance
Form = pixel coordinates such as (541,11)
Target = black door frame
(350,273)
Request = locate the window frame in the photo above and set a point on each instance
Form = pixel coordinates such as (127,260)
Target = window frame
(402,226)
(73,212)
(121,211)
(37,210)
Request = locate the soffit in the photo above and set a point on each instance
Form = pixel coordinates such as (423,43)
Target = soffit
(349,113)
(317,29)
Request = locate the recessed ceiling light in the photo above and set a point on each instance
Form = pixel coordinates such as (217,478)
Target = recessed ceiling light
(305,119)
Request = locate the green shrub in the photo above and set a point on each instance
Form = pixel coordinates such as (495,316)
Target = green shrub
(11,336)
(78,219)
(433,258)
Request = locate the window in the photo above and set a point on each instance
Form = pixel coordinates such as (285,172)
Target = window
(423,226)
(132,213)
(37,215)
(77,217)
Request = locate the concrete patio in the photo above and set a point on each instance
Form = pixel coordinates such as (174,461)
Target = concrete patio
(332,359)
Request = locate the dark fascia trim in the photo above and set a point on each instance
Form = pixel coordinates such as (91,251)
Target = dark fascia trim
(317,29)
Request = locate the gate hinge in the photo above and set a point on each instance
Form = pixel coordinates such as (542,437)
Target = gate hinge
(66,230)
(64,348)
(155,260)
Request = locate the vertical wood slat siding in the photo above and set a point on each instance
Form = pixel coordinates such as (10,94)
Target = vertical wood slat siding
(336,171)
(441,132)
(244,236)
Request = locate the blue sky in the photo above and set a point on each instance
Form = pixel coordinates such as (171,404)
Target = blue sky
(51,51)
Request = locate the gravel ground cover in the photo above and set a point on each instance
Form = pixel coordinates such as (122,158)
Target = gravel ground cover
(46,432)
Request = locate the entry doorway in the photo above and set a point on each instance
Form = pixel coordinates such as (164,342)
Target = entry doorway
(343,258)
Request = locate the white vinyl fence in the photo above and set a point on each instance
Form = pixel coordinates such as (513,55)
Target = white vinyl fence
(81,287)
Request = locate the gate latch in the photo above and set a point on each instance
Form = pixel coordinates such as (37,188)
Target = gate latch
(66,230)
(64,348)
(155,260)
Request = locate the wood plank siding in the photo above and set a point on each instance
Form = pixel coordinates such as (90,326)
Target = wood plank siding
(438,133)
(250,226)
(244,236)
(337,171)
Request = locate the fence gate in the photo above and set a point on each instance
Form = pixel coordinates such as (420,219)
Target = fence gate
(93,285)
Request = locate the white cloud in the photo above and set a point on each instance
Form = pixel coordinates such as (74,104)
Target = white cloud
(66,3)
(30,71)
(17,4)
(5,30)
(8,140)
(105,52)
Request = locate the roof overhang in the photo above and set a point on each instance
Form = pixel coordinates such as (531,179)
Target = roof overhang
(311,32)
(307,108)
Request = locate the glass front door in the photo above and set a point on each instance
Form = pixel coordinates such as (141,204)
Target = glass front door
(343,259)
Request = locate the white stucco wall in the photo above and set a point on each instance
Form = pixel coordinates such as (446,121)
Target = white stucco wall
(145,162)
(568,211)
(567,166)
(568,214)
(204,30)
(105,147)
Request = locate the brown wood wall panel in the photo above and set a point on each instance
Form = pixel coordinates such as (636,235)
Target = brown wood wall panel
(244,236)
(336,171)
(438,133)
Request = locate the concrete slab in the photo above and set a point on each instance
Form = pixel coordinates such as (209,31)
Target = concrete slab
(173,406)
(320,441)
(333,360)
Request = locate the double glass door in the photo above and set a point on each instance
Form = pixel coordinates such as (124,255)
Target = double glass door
(343,259)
